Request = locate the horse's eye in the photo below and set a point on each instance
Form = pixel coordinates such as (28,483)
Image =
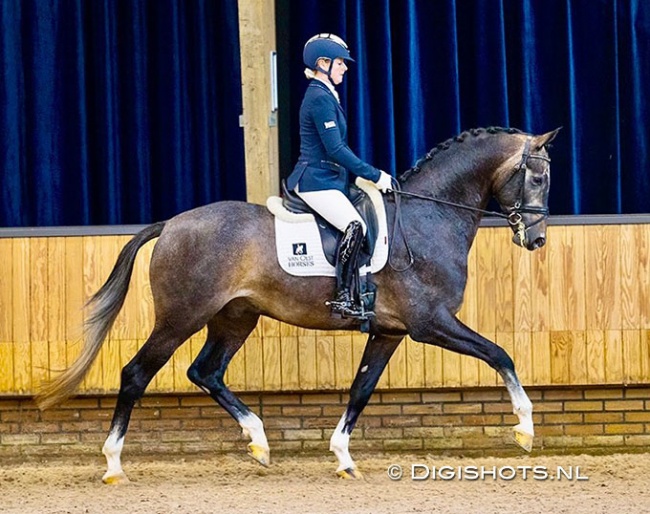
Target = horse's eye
(537,181)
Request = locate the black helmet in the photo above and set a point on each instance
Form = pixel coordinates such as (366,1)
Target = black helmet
(328,46)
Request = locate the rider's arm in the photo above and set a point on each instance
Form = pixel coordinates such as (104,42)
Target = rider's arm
(325,119)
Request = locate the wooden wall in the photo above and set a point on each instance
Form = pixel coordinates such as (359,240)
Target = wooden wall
(576,312)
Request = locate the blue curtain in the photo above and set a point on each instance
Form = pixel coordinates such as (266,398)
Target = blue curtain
(429,69)
(117,112)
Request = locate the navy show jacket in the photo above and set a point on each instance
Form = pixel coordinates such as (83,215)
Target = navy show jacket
(325,159)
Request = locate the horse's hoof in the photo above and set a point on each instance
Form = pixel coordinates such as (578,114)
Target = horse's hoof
(349,474)
(523,439)
(118,479)
(260,454)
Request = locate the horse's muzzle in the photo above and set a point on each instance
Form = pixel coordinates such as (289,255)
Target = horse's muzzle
(537,243)
(529,244)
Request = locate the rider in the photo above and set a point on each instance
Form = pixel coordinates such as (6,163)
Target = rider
(322,175)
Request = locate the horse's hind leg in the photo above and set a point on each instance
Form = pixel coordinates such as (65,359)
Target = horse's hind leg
(450,333)
(226,334)
(136,375)
(376,355)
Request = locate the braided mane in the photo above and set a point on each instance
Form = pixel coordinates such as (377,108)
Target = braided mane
(452,142)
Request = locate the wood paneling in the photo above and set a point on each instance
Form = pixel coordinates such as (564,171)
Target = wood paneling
(21,287)
(602,277)
(415,364)
(6,291)
(575,312)
(7,374)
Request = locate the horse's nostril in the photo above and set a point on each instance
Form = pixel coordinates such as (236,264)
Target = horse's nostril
(539,242)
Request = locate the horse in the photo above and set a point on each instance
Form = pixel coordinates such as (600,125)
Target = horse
(215,265)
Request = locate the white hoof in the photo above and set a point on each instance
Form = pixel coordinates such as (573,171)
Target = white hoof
(117,479)
(523,437)
(350,474)
(260,454)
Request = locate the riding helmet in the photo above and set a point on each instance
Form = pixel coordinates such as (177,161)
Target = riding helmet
(328,46)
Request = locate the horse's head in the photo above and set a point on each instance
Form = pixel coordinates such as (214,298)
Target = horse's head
(522,190)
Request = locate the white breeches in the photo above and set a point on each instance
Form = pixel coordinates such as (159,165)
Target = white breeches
(334,206)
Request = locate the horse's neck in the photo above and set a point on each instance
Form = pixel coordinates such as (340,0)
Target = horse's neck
(464,178)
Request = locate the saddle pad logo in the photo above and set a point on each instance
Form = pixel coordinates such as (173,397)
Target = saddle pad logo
(300,259)
(330,124)
(299,249)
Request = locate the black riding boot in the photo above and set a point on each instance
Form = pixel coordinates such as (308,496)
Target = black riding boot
(346,266)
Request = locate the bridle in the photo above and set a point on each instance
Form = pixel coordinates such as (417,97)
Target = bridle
(513,214)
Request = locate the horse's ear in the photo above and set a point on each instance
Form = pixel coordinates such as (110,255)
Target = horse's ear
(544,139)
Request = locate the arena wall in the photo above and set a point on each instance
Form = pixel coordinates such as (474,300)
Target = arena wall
(576,312)
(468,421)
(575,317)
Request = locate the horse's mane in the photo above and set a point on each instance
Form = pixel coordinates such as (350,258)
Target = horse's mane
(451,142)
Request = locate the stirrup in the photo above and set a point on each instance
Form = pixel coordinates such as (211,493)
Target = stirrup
(348,310)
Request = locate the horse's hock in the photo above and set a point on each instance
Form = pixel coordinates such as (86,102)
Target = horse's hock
(575,316)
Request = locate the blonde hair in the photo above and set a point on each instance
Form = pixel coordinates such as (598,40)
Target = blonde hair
(309,73)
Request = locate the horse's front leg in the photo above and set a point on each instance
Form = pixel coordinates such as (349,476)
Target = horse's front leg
(376,355)
(522,407)
(450,333)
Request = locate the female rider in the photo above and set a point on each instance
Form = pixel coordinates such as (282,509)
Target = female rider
(322,175)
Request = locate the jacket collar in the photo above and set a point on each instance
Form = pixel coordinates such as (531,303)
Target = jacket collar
(327,87)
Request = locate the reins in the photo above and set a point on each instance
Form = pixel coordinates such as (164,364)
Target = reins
(512,215)
(452,204)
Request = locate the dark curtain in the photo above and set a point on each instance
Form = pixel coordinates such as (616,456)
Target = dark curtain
(429,69)
(117,112)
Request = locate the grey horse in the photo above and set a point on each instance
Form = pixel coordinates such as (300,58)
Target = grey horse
(215,266)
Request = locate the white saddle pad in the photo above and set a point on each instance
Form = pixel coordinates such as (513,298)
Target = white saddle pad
(298,243)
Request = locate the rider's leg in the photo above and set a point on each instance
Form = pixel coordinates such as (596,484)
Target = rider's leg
(347,257)
(337,209)
(334,206)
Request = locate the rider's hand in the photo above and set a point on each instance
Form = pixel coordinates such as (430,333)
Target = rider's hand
(385,182)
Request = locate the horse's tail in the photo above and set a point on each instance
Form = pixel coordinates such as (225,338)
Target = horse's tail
(104,307)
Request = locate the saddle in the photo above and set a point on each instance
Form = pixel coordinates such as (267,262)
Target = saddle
(306,244)
(330,235)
